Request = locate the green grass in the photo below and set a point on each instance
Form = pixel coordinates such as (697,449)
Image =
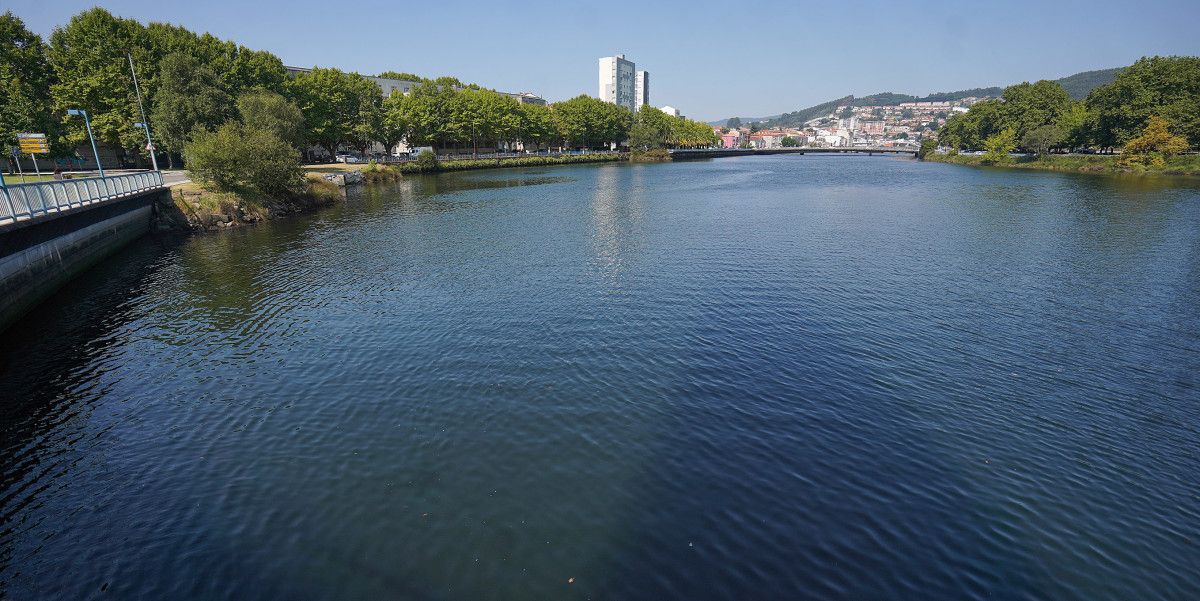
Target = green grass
(1188,164)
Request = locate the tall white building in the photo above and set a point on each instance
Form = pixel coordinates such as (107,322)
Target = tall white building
(617,77)
(641,89)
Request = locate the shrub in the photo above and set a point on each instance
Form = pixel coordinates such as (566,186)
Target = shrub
(243,158)
(1153,146)
(928,146)
(999,146)
(426,162)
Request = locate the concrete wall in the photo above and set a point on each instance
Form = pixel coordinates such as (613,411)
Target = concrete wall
(37,257)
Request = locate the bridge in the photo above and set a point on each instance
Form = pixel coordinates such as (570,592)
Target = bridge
(51,231)
(712,153)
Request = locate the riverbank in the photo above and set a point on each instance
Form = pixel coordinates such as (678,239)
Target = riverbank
(1188,165)
(195,208)
(418,167)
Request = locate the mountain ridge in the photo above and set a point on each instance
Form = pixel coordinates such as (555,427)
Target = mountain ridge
(1077,86)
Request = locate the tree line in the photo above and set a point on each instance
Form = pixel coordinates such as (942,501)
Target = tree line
(1155,95)
(196,84)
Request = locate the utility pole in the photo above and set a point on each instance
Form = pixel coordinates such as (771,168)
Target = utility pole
(145,121)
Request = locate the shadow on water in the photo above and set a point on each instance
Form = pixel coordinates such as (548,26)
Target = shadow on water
(47,374)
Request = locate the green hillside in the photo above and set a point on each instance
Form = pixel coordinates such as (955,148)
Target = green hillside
(1077,85)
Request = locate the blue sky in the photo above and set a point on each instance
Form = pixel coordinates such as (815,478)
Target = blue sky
(710,59)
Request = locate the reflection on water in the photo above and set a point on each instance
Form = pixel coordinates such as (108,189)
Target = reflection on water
(758,377)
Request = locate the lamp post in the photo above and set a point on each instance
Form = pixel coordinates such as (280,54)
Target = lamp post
(149,143)
(88,123)
(145,124)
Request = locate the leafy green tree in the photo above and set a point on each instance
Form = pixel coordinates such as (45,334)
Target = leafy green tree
(928,147)
(1028,106)
(789,142)
(1042,139)
(338,107)
(401,76)
(651,129)
(538,125)
(189,97)
(271,111)
(25,104)
(244,159)
(587,121)
(999,146)
(393,127)
(428,111)
(733,123)
(1166,86)
(91,73)
(1074,124)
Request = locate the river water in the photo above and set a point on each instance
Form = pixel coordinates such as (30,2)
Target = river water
(750,378)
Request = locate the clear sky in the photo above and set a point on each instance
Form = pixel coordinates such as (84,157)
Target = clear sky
(709,59)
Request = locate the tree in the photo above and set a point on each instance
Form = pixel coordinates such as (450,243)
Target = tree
(789,142)
(25,77)
(651,129)
(1154,144)
(91,73)
(1074,125)
(274,113)
(338,107)
(393,127)
(401,76)
(1028,106)
(999,146)
(428,113)
(244,159)
(587,121)
(1042,139)
(538,126)
(189,96)
(733,123)
(928,147)
(1165,86)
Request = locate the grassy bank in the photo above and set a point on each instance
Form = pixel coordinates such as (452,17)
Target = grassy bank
(1090,163)
(197,208)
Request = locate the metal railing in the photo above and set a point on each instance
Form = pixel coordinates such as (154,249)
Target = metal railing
(19,202)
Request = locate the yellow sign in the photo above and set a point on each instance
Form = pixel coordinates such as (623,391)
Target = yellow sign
(33,143)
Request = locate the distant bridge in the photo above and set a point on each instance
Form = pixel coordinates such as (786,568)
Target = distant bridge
(712,153)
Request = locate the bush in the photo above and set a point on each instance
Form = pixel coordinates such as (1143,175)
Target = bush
(426,162)
(1153,146)
(928,146)
(243,158)
(999,146)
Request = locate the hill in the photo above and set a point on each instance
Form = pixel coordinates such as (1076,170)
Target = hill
(1077,85)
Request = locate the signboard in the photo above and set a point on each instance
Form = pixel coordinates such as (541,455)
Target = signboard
(33,143)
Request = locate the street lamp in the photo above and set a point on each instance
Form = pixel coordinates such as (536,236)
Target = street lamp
(88,123)
(149,143)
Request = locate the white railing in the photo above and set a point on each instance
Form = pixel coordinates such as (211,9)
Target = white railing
(19,202)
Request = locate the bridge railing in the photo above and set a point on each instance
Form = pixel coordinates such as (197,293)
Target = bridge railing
(19,202)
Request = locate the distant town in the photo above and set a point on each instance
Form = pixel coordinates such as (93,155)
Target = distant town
(902,125)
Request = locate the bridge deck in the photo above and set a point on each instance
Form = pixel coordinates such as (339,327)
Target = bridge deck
(24,202)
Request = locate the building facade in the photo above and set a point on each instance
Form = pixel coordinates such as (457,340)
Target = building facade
(641,89)
(617,81)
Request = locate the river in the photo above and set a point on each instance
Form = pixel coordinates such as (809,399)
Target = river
(750,378)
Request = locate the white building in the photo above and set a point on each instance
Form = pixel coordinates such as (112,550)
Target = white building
(617,77)
(641,89)
(670,110)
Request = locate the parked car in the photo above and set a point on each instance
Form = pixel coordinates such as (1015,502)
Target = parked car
(347,158)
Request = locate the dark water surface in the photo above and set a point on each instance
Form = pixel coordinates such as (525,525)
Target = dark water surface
(752,378)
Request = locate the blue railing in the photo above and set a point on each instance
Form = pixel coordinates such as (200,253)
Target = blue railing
(19,202)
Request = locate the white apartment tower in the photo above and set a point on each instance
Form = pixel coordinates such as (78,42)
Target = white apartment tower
(617,77)
(641,89)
